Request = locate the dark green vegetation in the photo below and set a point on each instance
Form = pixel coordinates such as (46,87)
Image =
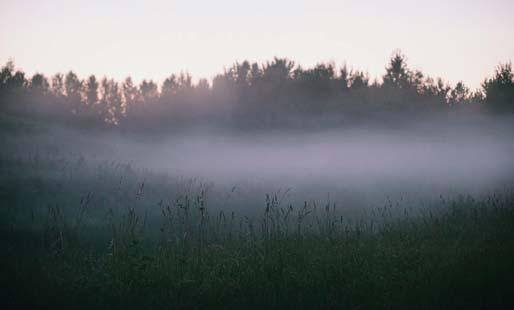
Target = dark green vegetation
(247,95)
(76,235)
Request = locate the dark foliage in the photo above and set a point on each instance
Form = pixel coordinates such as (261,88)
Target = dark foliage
(249,95)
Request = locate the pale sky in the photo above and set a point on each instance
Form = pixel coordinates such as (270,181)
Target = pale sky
(457,40)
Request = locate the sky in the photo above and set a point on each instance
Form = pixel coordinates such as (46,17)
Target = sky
(457,40)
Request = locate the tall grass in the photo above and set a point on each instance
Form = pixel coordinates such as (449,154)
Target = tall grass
(115,242)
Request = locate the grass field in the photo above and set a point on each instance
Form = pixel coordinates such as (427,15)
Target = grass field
(78,235)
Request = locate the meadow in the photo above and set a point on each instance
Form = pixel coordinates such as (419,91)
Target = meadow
(84,233)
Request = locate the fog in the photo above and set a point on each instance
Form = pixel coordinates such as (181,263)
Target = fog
(354,166)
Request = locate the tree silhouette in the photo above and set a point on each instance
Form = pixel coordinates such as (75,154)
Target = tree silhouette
(114,100)
(91,91)
(499,90)
(149,91)
(397,75)
(39,84)
(58,85)
(278,71)
(6,75)
(459,94)
(344,79)
(17,81)
(73,89)
(131,96)
(358,80)
(275,93)
(169,87)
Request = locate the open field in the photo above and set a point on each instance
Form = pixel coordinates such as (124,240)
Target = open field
(85,233)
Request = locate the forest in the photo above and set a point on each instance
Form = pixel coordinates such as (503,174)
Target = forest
(275,94)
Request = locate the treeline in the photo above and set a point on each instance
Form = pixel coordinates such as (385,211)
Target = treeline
(277,93)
